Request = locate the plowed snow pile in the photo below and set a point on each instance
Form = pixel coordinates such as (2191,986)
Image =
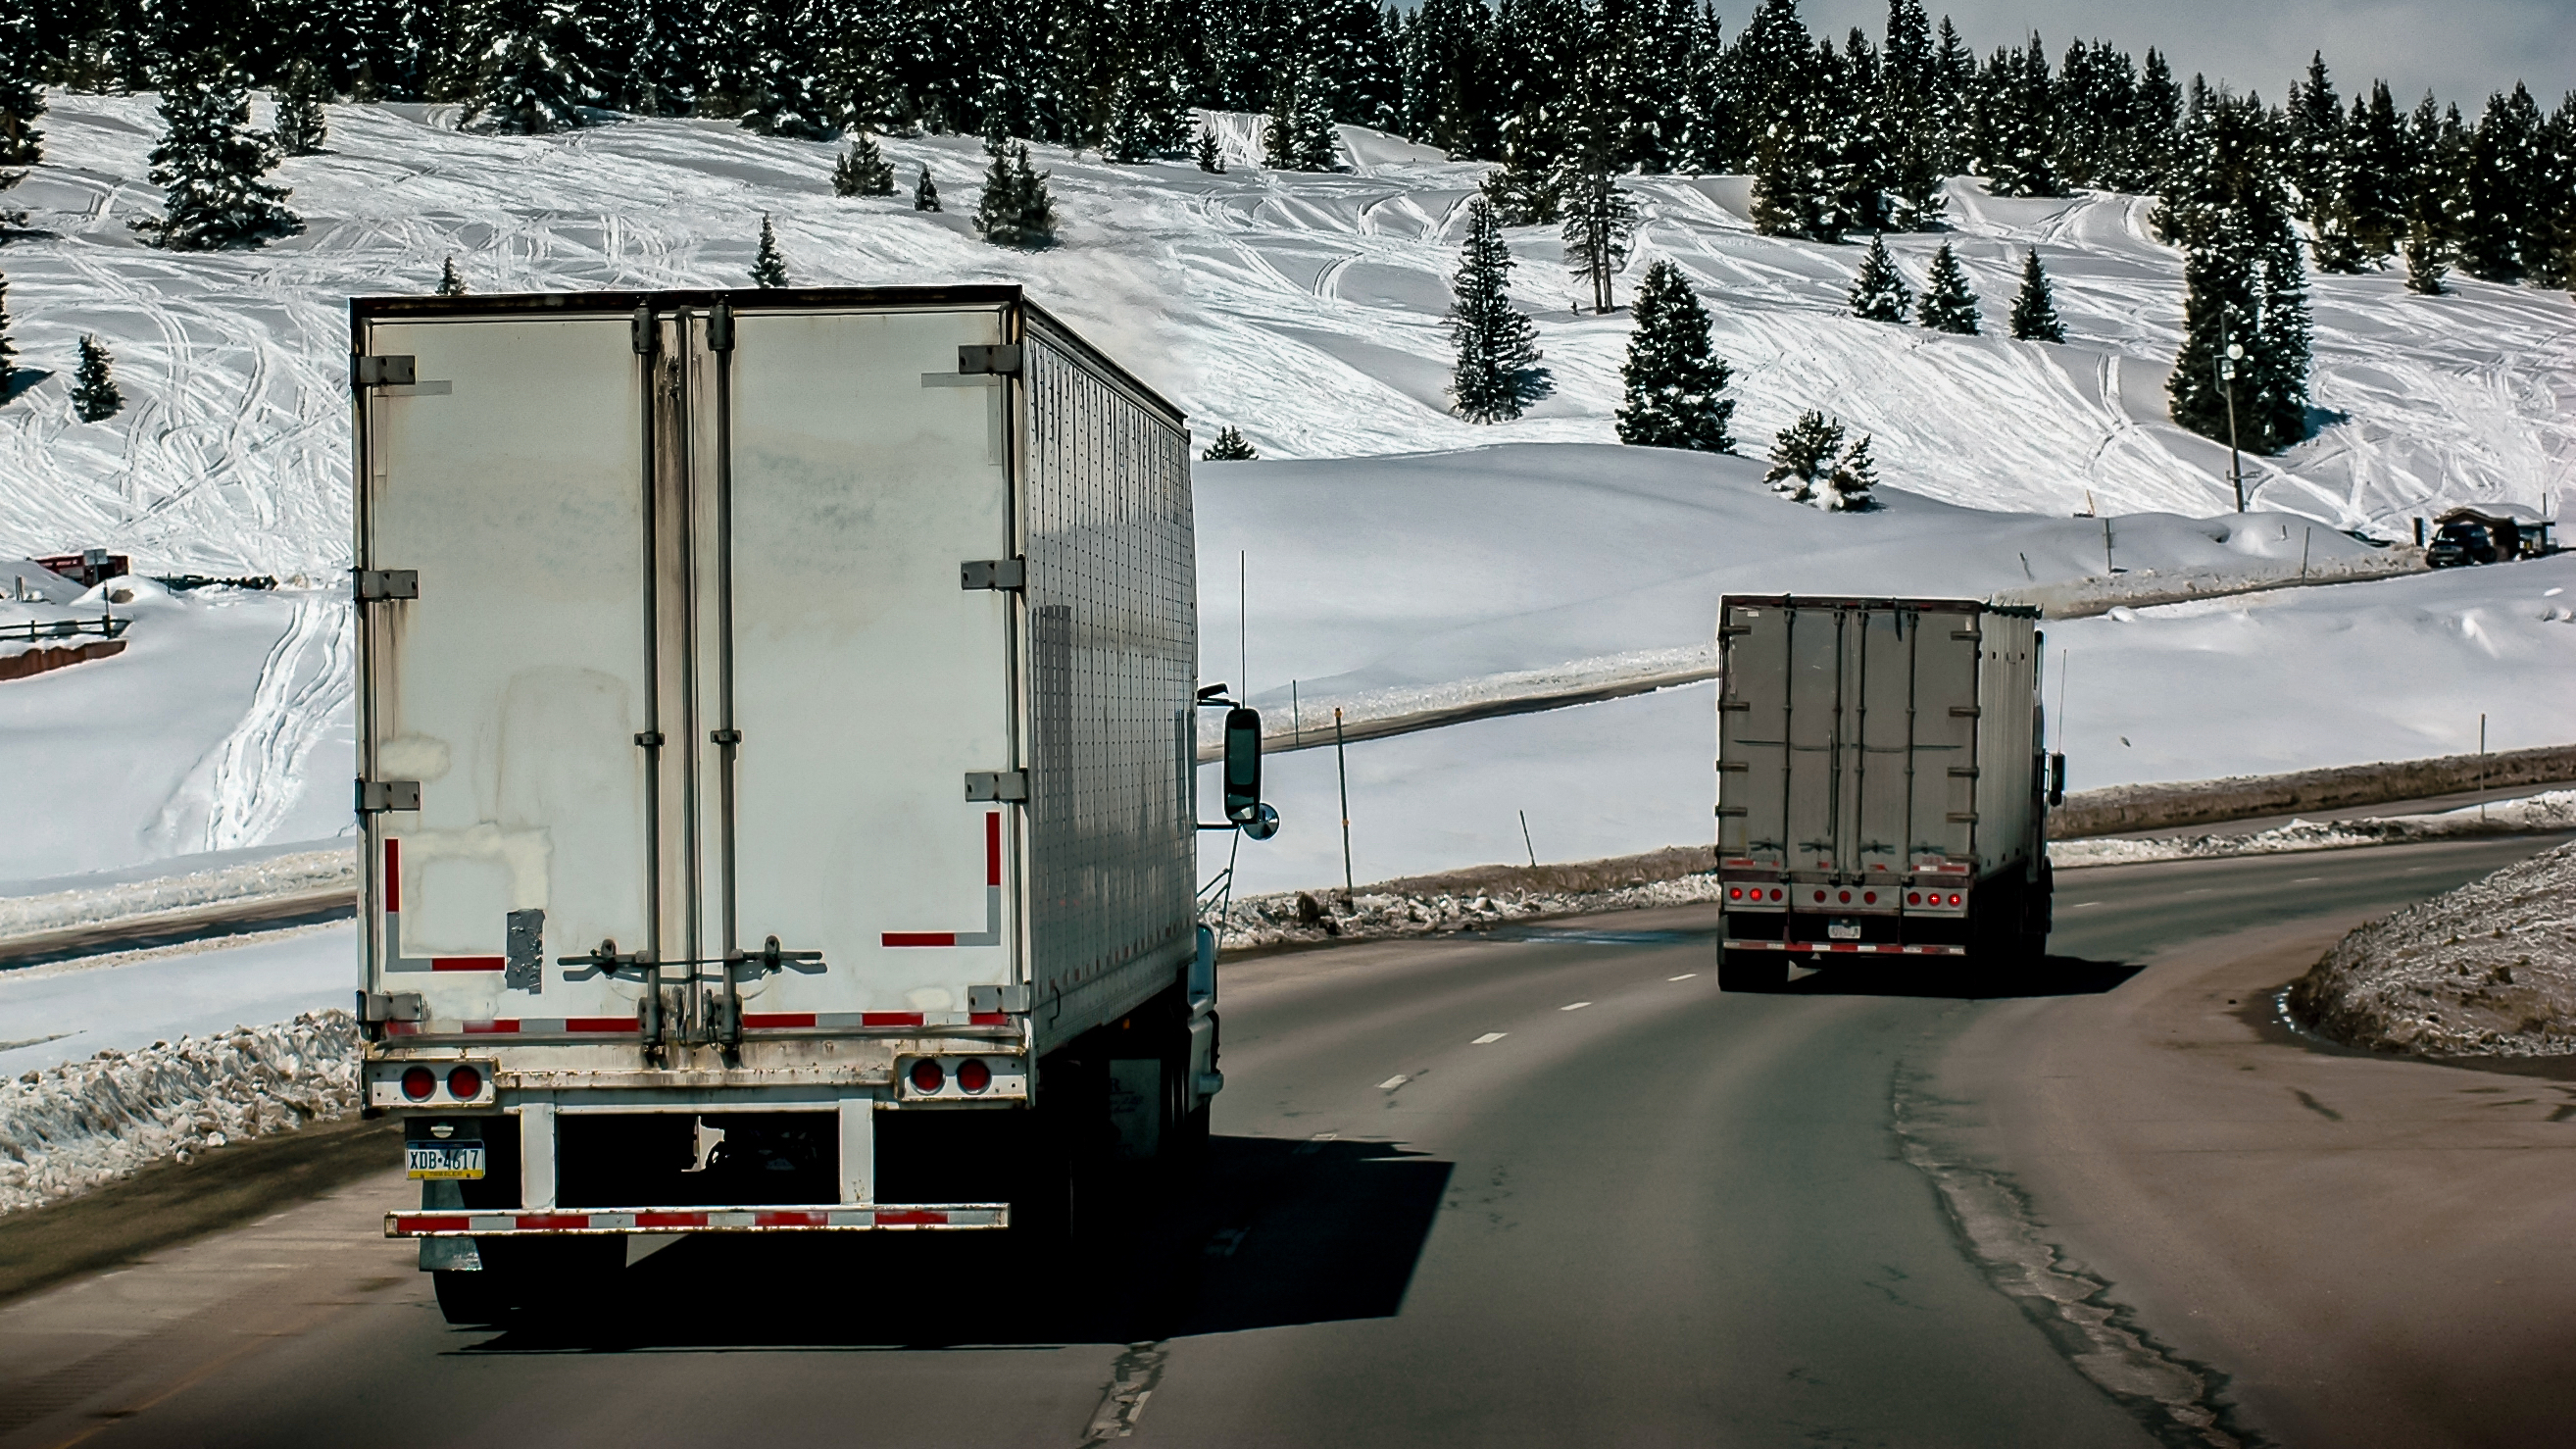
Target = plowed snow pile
(2486,970)
(77,1126)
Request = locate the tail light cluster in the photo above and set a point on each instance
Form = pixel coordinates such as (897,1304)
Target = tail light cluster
(1751,893)
(952,1077)
(424,1084)
(1932,898)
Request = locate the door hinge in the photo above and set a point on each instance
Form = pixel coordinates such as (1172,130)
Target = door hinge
(985,1000)
(1963,772)
(1962,817)
(375,1007)
(974,358)
(389,370)
(374,586)
(1966,636)
(997,784)
(1964,711)
(649,739)
(377,796)
(1008,574)
(1734,810)
(1734,631)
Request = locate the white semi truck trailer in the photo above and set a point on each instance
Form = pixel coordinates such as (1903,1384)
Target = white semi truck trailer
(776,727)
(1882,788)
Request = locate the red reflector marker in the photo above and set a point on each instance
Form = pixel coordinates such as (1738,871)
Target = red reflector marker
(1820,895)
(1775,895)
(465,1083)
(974,1076)
(1844,897)
(1869,898)
(927,1076)
(1914,898)
(419,1082)
(1954,899)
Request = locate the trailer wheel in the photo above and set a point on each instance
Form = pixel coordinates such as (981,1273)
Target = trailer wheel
(473,1299)
(1752,971)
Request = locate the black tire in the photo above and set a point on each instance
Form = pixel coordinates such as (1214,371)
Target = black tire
(1755,971)
(479,1299)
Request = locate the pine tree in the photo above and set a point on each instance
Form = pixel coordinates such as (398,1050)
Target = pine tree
(451,282)
(925,192)
(1299,135)
(2427,262)
(302,130)
(1847,489)
(1802,456)
(2549,225)
(2245,284)
(2021,144)
(209,163)
(8,349)
(95,397)
(768,268)
(863,170)
(1210,159)
(1948,304)
(2320,165)
(22,85)
(1599,220)
(1497,373)
(1229,447)
(1015,209)
(2504,166)
(1675,382)
(2034,313)
(527,74)
(2373,210)
(1879,294)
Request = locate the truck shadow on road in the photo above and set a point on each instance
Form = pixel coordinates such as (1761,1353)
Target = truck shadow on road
(1260,1233)
(2056,976)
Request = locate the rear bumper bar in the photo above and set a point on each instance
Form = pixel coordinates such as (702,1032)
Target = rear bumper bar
(1852,948)
(836,1217)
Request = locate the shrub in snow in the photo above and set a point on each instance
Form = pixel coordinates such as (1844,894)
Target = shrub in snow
(1229,447)
(863,170)
(1674,380)
(768,268)
(526,59)
(1015,210)
(95,397)
(67,1129)
(22,86)
(451,283)
(302,129)
(1599,219)
(1810,464)
(2034,313)
(1948,305)
(925,193)
(2427,261)
(1879,293)
(1210,159)
(209,163)
(1497,373)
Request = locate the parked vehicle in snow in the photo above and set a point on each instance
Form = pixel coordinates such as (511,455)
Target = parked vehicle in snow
(1882,791)
(776,723)
(2461,543)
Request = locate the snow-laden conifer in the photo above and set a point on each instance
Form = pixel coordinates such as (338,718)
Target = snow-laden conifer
(1675,383)
(1948,304)
(1015,209)
(95,397)
(1879,293)
(451,282)
(302,129)
(22,85)
(1229,447)
(2034,310)
(1802,456)
(8,349)
(1299,133)
(2245,283)
(2428,261)
(1210,159)
(768,268)
(1497,373)
(1599,220)
(209,163)
(2504,172)
(863,169)
(524,63)
(1847,488)
(925,192)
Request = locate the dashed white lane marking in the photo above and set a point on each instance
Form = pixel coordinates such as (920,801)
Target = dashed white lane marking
(1489,1038)
(1393,1082)
(1577,1006)
(1685,976)
(2307,880)
(2079,905)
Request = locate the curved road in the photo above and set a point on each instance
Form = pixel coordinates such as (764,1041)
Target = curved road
(1544,1188)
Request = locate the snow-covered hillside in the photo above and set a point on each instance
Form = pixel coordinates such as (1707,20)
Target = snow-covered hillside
(1305,309)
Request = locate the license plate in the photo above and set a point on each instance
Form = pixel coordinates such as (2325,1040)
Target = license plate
(1842,930)
(443,1160)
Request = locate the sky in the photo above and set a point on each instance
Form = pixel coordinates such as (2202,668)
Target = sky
(2461,49)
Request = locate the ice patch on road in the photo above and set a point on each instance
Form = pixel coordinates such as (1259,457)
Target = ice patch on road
(80,1125)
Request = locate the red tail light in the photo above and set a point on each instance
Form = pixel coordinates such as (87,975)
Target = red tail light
(1735,893)
(927,1076)
(1844,897)
(419,1082)
(1869,898)
(974,1076)
(465,1083)
(1775,895)
(1954,898)
(1914,898)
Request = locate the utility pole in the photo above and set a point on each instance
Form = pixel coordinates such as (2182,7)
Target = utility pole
(2235,352)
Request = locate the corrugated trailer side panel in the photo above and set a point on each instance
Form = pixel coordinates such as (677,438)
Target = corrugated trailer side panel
(1113,671)
(2006,687)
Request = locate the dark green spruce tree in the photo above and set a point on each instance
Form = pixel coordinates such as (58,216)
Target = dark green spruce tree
(527,70)
(1675,383)
(451,282)
(2504,172)
(2246,285)
(95,397)
(8,349)
(1015,209)
(768,268)
(22,85)
(1210,159)
(1229,447)
(1299,134)
(209,164)
(863,169)
(1599,220)
(2034,311)
(1879,293)
(302,129)
(1497,374)
(925,192)
(1949,304)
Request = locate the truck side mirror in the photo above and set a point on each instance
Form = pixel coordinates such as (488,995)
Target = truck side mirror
(2056,780)
(1242,765)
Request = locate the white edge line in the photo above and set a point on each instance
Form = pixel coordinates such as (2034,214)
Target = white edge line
(1577,1006)
(1391,1083)
(1685,976)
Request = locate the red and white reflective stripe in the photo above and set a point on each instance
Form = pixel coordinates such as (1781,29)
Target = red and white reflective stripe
(1861,948)
(991,935)
(843,1020)
(395,960)
(508,1223)
(549,1025)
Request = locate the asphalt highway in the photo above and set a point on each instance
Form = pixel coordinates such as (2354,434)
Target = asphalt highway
(1543,1187)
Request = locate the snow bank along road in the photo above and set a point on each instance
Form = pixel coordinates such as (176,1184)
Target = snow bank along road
(1552,1188)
